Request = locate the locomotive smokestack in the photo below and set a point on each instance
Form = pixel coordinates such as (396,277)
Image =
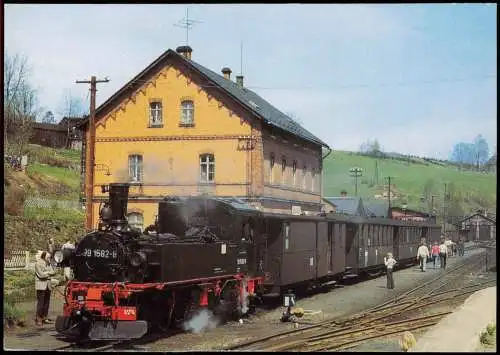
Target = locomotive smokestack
(118,199)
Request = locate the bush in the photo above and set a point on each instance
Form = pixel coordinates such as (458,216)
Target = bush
(488,337)
(14,201)
(12,315)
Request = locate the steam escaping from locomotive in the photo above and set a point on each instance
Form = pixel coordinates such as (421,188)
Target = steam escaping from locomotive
(245,301)
(202,320)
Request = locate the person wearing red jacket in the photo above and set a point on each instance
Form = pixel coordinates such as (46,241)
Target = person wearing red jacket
(435,253)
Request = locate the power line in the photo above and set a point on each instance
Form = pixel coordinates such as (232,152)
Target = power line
(362,86)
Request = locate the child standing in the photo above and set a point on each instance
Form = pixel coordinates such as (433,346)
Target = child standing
(389,262)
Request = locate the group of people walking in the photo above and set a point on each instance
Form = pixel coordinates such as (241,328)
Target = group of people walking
(438,251)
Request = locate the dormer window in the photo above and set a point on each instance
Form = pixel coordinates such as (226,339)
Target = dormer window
(155,114)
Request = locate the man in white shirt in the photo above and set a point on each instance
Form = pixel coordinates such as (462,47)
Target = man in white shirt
(389,262)
(422,255)
(443,254)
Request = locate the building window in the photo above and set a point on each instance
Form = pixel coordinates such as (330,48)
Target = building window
(207,168)
(313,180)
(135,220)
(283,170)
(135,168)
(187,113)
(271,168)
(294,172)
(155,114)
(304,177)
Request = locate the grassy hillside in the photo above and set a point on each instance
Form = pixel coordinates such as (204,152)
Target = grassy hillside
(408,180)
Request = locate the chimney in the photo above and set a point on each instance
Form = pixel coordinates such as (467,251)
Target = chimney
(227,73)
(185,51)
(239,80)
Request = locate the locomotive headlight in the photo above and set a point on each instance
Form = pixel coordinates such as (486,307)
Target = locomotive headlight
(58,256)
(137,259)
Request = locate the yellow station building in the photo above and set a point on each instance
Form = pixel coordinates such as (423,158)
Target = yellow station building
(178,128)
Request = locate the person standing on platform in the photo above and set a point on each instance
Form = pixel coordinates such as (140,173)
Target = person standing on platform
(422,255)
(389,262)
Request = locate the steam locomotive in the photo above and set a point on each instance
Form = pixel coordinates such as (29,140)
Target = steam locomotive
(127,282)
(215,253)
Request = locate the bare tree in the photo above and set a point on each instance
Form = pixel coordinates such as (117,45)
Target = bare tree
(72,106)
(20,103)
(48,117)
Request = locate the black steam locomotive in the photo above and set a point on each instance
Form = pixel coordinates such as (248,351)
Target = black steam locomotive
(216,253)
(127,282)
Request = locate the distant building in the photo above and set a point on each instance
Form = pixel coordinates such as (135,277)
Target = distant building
(61,135)
(405,214)
(351,206)
(478,226)
(179,128)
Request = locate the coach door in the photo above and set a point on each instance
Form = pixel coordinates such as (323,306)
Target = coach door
(395,242)
(329,249)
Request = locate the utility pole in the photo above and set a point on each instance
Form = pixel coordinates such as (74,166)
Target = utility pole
(90,147)
(389,195)
(356,172)
(444,209)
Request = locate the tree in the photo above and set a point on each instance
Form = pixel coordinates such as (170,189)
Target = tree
(481,151)
(72,106)
(20,104)
(48,117)
(463,153)
(428,191)
(371,148)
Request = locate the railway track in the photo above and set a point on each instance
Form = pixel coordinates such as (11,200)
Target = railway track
(388,318)
(363,326)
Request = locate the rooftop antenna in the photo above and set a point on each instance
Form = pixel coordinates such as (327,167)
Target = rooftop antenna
(186,23)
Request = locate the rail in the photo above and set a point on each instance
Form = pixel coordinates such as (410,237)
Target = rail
(415,299)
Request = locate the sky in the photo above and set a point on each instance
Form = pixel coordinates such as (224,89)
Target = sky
(417,77)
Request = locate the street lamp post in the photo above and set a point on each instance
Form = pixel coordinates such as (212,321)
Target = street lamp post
(404,207)
(356,172)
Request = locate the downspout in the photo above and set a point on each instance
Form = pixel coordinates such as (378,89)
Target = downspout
(322,166)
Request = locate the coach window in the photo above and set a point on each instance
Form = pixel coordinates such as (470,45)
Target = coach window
(135,220)
(286,231)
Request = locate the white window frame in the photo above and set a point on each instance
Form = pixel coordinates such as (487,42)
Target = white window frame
(155,113)
(207,163)
(135,167)
(187,112)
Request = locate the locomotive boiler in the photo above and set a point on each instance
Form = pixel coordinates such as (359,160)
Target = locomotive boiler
(127,282)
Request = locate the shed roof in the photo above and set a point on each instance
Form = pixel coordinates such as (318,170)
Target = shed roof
(377,208)
(352,206)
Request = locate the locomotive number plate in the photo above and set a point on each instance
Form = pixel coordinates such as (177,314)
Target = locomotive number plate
(100,253)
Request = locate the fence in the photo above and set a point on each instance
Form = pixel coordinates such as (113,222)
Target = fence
(17,260)
(40,202)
